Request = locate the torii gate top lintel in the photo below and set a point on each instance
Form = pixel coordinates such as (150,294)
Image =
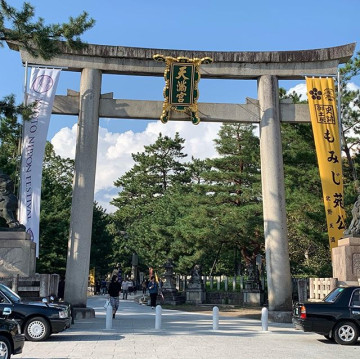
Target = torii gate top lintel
(245,64)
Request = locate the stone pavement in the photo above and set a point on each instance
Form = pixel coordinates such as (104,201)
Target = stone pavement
(182,335)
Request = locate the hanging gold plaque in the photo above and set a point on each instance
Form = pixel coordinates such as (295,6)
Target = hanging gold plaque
(181,93)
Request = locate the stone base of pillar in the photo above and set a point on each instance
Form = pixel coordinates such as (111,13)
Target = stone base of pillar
(280,316)
(346,260)
(17,254)
(83,313)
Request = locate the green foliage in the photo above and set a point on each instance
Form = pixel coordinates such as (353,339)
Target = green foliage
(101,242)
(307,230)
(56,197)
(39,40)
(350,101)
(55,212)
(36,37)
(10,134)
(44,41)
(192,212)
(143,202)
(228,211)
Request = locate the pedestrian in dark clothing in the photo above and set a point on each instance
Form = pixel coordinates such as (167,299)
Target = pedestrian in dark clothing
(114,292)
(97,287)
(153,291)
(103,287)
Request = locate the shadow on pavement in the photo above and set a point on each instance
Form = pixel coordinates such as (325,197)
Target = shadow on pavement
(85,337)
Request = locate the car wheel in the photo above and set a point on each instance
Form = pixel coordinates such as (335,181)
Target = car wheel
(346,333)
(5,348)
(37,329)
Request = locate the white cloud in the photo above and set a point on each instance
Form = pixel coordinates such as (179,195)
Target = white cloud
(64,142)
(300,89)
(115,149)
(350,86)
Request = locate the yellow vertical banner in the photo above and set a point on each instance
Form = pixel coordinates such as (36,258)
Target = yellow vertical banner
(92,276)
(325,125)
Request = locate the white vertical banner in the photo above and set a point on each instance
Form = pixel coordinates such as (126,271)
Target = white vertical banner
(42,88)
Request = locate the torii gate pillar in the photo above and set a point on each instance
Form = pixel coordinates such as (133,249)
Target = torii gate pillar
(273,191)
(78,259)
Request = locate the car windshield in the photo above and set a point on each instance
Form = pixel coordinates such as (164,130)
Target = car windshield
(9,293)
(332,296)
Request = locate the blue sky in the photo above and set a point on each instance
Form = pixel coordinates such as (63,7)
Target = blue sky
(194,25)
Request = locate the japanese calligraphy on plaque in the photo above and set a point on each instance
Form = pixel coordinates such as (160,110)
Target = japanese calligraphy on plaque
(181,86)
(324,121)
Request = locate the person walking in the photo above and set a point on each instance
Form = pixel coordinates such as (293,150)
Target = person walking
(103,286)
(153,291)
(125,288)
(114,292)
(144,286)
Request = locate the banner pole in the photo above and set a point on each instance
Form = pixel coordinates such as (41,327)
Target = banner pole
(25,83)
(21,138)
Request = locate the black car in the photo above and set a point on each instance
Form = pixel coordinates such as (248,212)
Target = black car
(337,317)
(37,319)
(11,339)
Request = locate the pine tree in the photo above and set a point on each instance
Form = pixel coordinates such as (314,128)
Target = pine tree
(306,222)
(226,213)
(102,242)
(143,200)
(55,210)
(36,37)
(56,200)
(307,230)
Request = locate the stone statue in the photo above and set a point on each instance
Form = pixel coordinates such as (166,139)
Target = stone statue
(8,203)
(195,291)
(253,264)
(354,228)
(196,274)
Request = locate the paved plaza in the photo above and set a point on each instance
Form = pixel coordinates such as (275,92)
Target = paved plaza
(182,335)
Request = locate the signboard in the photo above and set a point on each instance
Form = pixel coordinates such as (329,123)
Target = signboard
(181,86)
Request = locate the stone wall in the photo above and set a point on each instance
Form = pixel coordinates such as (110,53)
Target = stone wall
(233,298)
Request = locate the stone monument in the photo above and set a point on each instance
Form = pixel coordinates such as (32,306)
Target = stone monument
(195,291)
(346,256)
(8,204)
(170,293)
(346,261)
(17,252)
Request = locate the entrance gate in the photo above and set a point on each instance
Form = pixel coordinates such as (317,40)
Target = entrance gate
(265,67)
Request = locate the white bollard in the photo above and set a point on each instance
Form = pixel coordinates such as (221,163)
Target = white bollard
(158,311)
(264,319)
(215,318)
(109,317)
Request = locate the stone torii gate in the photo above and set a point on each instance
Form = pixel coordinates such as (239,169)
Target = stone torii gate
(265,67)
